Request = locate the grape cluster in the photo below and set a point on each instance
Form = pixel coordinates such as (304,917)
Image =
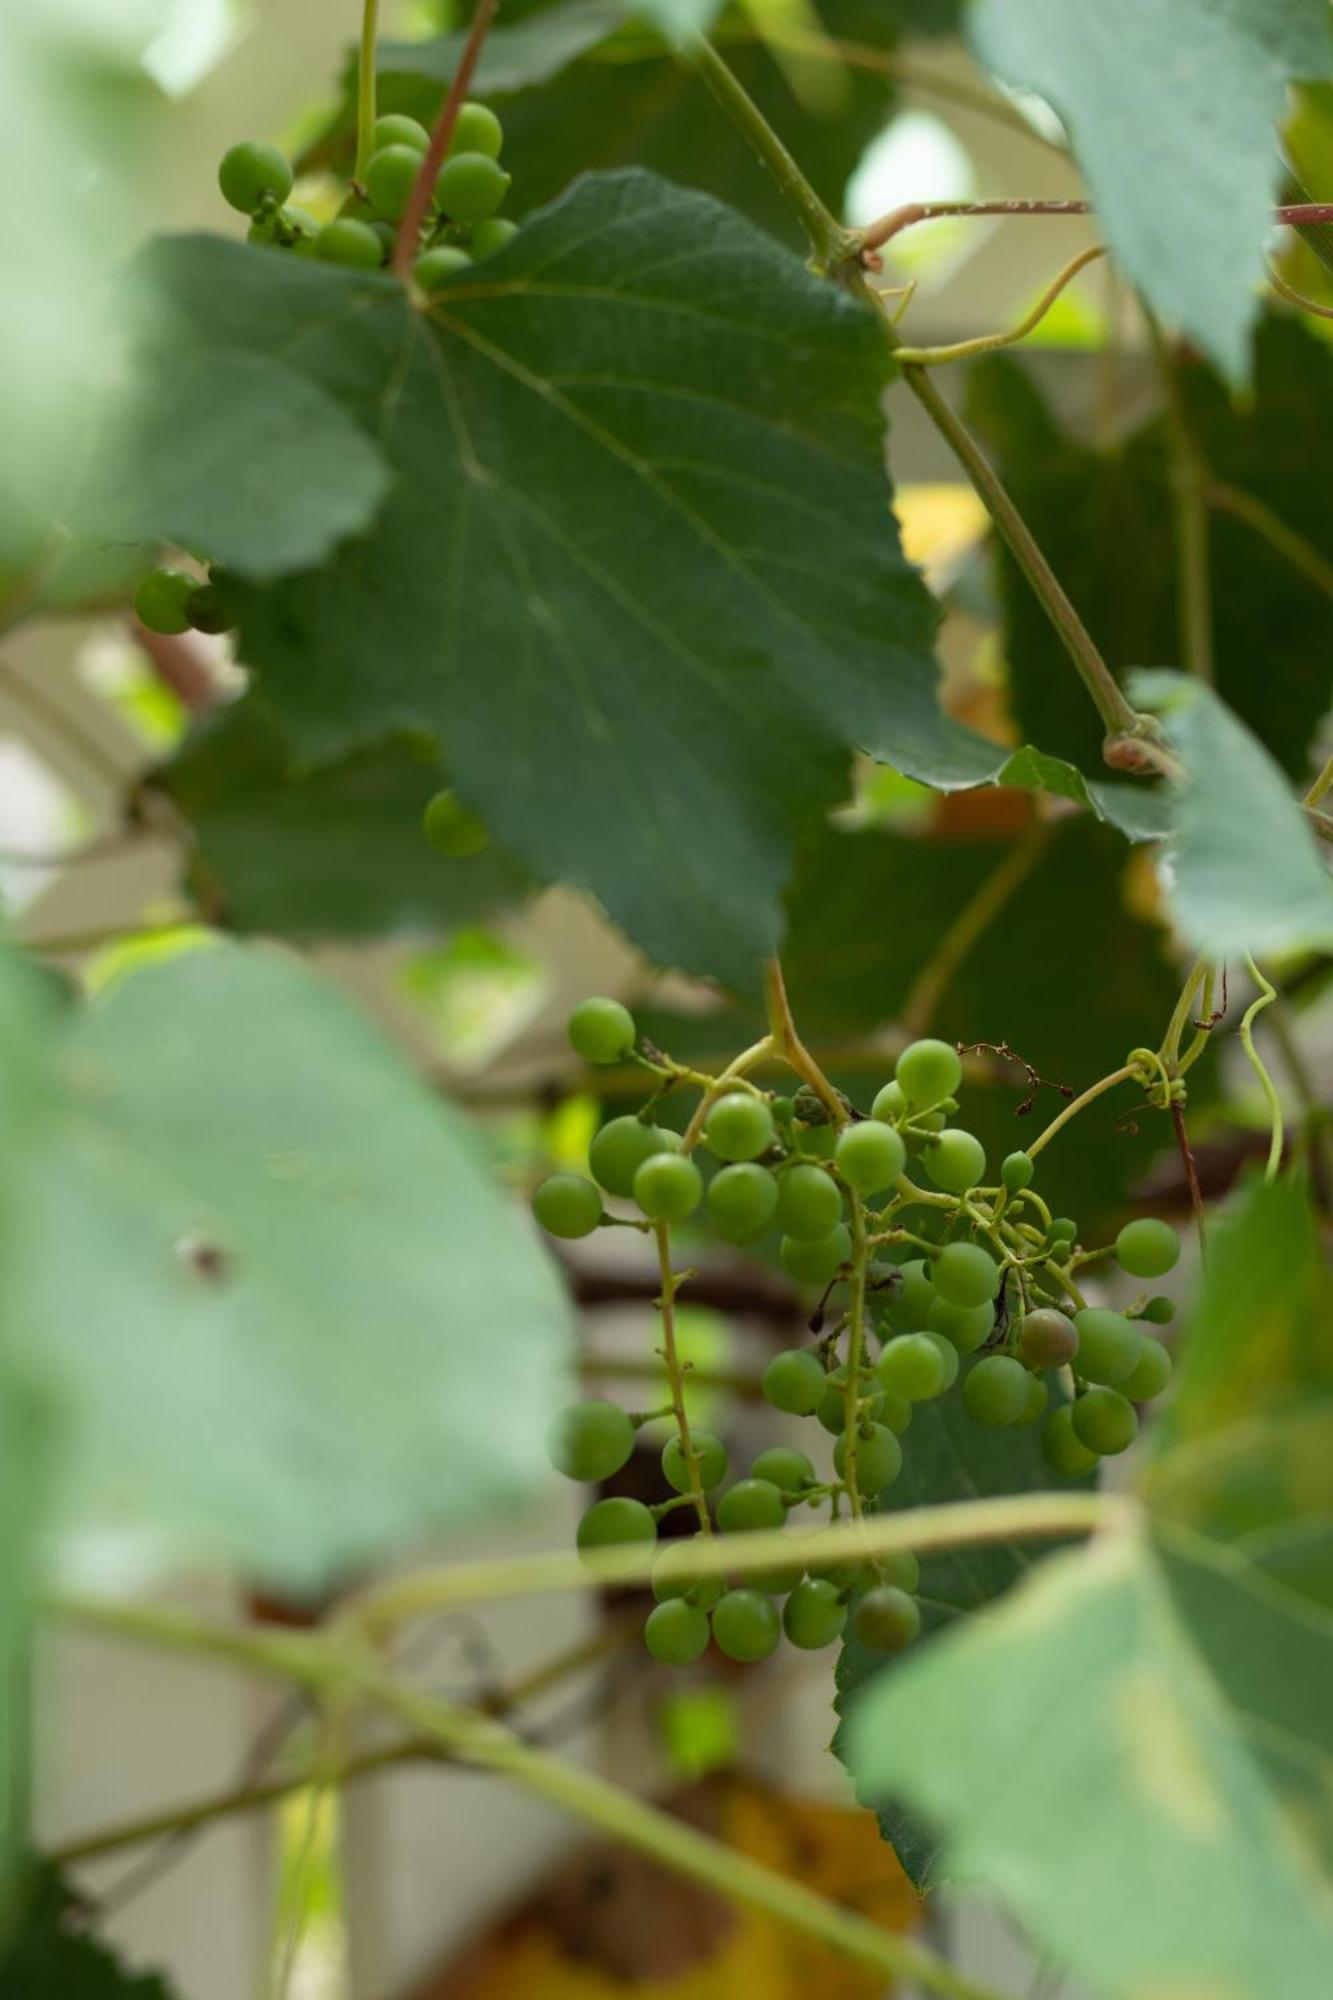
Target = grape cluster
(967,1279)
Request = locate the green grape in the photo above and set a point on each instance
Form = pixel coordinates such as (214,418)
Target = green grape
(746,1625)
(710,1454)
(608,1523)
(1108,1344)
(776,1582)
(676,1632)
(477,130)
(738,1127)
(434,268)
(832,1411)
(790,1471)
(911,1365)
(1151,1373)
(492,235)
(390,178)
(450,828)
(895,1411)
(206,609)
(1016,1171)
(794,1381)
(890,1102)
(869,1156)
(346,242)
(619,1148)
(601,1030)
(1105,1421)
(589,1441)
(879,1458)
(928,1071)
(965,1274)
(470,187)
(668,1187)
(887,1619)
(948,1354)
(1047,1338)
(397,129)
(965,1327)
(995,1390)
(900,1568)
(160,599)
(567,1205)
(955,1161)
(1160,1311)
(814,1614)
(1064,1452)
(911,1299)
(815,1260)
(1063,1229)
(1147,1248)
(1038,1397)
(809,1202)
(672,1578)
(749,1505)
(252,175)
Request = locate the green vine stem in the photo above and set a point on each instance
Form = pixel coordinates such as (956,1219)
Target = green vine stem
(1303,556)
(787,1041)
(1265,997)
(365,88)
(1126,1074)
(714,1087)
(1169,1053)
(666,1306)
(991,343)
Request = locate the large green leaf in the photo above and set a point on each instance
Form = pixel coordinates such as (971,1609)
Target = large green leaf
(52,1956)
(1171,112)
(636,571)
(268,1275)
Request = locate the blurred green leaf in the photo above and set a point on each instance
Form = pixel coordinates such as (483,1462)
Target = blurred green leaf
(51,1955)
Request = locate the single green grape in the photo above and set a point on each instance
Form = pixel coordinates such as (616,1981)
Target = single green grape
(252,174)
(1016,1171)
(676,1632)
(965,1327)
(869,1156)
(1063,1229)
(1147,1248)
(738,1127)
(1150,1374)
(601,1030)
(477,130)
(814,1614)
(1065,1453)
(1160,1311)
(742,1201)
(567,1205)
(470,187)
(912,1297)
(207,609)
(395,128)
(948,1354)
(608,1523)
(927,1071)
(794,1381)
(672,1578)
(901,1568)
(1038,1397)
(887,1619)
(879,1458)
(749,1505)
(1108,1345)
(911,1365)
(590,1441)
(620,1147)
(710,1455)
(160,599)
(790,1471)
(451,828)
(995,1390)
(815,1260)
(776,1582)
(890,1102)
(809,1202)
(668,1187)
(746,1625)
(1105,1421)
(965,1274)
(832,1411)
(344,241)
(492,235)
(1047,1338)
(893,1410)
(434,268)
(391,175)
(956,1161)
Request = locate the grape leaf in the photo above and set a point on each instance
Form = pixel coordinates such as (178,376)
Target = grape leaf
(1251,880)
(52,1952)
(1171,112)
(266,1275)
(636,569)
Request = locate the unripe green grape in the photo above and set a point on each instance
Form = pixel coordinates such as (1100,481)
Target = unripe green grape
(1159,1311)
(567,1205)
(965,1274)
(911,1365)
(738,1127)
(813,1261)
(775,1582)
(746,1625)
(965,1327)
(710,1455)
(809,1202)
(928,1070)
(794,1381)
(395,128)
(610,1523)
(590,1441)
(814,1614)
(619,1148)
(1147,1248)
(492,235)
(668,1187)
(901,1568)
(1065,1452)
(451,828)
(434,268)
(912,1297)
(1108,1345)
(676,1632)
(477,130)
(345,241)
(790,1471)
(671,1576)
(869,1156)
(470,187)
(206,609)
(1063,1229)
(832,1411)
(160,599)
(890,1102)
(1151,1372)
(601,1030)
(887,1619)
(1016,1171)
(956,1161)
(1105,1421)
(1038,1397)
(1047,1338)
(893,1410)
(879,1458)
(749,1505)
(948,1354)
(995,1390)
(391,176)
(251,174)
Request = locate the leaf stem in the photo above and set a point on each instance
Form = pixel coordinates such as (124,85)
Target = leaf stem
(365,88)
(666,1306)
(409,228)
(1295,214)
(1189,488)
(787,1041)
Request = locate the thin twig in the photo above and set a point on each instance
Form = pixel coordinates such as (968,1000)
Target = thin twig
(409,228)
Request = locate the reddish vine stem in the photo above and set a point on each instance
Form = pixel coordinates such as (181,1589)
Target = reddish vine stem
(1191,1175)
(1294,214)
(409,229)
